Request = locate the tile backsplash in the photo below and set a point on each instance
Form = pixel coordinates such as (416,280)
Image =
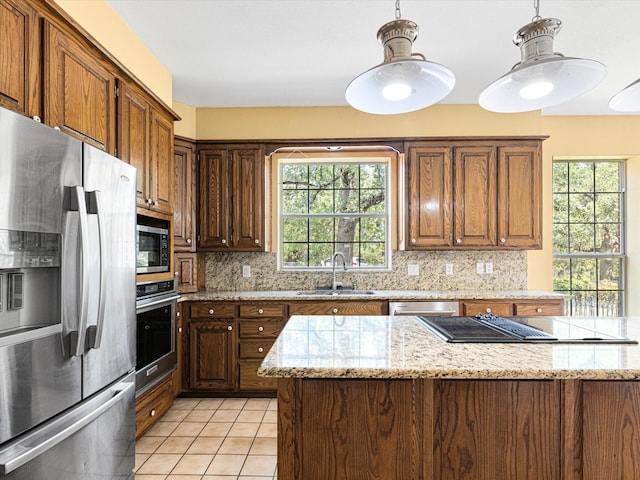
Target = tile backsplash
(509,272)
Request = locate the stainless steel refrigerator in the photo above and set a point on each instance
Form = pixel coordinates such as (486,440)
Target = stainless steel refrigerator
(67,307)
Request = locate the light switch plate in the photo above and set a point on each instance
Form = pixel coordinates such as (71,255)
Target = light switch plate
(246,271)
(413,269)
(448,269)
(480,267)
(488,267)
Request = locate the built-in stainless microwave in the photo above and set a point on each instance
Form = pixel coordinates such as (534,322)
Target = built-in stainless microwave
(152,249)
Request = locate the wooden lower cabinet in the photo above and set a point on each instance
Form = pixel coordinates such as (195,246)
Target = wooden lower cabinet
(212,351)
(153,403)
(427,429)
(507,308)
(339,307)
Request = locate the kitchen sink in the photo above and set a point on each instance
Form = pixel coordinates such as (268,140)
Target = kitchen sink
(339,292)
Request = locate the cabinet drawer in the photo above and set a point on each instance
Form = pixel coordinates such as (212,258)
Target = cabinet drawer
(499,308)
(339,308)
(264,310)
(213,310)
(267,328)
(256,349)
(249,379)
(154,403)
(539,308)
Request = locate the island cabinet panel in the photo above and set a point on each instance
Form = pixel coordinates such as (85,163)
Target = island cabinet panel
(19,57)
(497,430)
(357,429)
(81,98)
(610,430)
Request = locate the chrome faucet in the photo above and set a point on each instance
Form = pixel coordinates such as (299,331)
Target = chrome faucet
(334,284)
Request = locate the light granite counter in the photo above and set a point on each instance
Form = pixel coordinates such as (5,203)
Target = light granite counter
(385,347)
(392,295)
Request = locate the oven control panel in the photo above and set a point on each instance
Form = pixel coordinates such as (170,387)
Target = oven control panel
(151,289)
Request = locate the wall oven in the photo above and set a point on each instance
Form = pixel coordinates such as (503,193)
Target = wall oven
(156,305)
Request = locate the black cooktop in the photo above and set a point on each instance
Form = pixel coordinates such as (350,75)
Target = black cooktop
(492,329)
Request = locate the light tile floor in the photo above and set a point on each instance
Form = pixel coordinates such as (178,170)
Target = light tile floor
(211,439)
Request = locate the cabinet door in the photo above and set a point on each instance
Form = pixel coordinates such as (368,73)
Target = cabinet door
(212,355)
(519,197)
(133,136)
(19,57)
(475,196)
(186,265)
(161,163)
(213,221)
(247,193)
(184,204)
(81,91)
(429,197)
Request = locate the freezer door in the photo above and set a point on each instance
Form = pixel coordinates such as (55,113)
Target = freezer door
(92,441)
(110,187)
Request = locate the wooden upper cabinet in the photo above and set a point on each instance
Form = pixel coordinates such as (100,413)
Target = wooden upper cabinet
(429,197)
(231,199)
(474,196)
(185,197)
(520,197)
(145,140)
(81,93)
(19,57)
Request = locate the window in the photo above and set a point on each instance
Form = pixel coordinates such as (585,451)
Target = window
(588,235)
(333,203)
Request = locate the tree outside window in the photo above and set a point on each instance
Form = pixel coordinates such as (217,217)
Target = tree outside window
(588,235)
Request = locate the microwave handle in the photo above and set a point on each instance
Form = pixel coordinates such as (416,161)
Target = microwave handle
(94,333)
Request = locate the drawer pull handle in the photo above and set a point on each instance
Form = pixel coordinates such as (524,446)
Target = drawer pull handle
(539,310)
(230,328)
(152,413)
(211,311)
(261,311)
(261,329)
(335,310)
(260,349)
(488,310)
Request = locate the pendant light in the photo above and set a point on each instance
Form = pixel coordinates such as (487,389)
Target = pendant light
(542,78)
(628,99)
(405,81)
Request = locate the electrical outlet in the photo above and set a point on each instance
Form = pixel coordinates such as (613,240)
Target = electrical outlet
(488,267)
(413,269)
(480,268)
(448,269)
(246,271)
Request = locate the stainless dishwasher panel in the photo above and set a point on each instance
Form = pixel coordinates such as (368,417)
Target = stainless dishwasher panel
(427,308)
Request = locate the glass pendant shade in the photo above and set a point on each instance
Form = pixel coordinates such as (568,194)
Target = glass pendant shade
(542,78)
(627,100)
(402,83)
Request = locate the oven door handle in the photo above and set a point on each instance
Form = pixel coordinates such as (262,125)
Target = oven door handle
(157,302)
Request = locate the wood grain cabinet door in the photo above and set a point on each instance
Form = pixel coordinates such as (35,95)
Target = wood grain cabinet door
(161,158)
(213,220)
(213,361)
(19,57)
(429,197)
(184,199)
(81,91)
(475,196)
(247,228)
(519,197)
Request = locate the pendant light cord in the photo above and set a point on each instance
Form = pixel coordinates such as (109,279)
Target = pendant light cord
(536,6)
(398,14)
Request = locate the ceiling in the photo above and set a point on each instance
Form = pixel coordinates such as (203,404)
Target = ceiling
(243,53)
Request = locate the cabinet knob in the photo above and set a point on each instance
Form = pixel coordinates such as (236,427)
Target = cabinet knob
(230,327)
(57,128)
(488,310)
(179,329)
(155,203)
(335,310)
(224,241)
(189,241)
(458,240)
(211,311)
(175,274)
(260,311)
(503,240)
(177,314)
(261,329)
(149,201)
(539,310)
(37,118)
(260,349)
(152,413)
(257,241)
(413,240)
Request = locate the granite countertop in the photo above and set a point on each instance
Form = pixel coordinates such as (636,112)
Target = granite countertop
(286,295)
(402,347)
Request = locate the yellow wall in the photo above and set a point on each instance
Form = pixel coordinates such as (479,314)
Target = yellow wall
(186,127)
(101,21)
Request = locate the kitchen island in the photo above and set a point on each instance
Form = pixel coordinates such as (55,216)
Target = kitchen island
(379,397)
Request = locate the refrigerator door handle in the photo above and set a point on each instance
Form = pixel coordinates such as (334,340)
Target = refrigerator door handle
(19,453)
(94,333)
(78,204)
